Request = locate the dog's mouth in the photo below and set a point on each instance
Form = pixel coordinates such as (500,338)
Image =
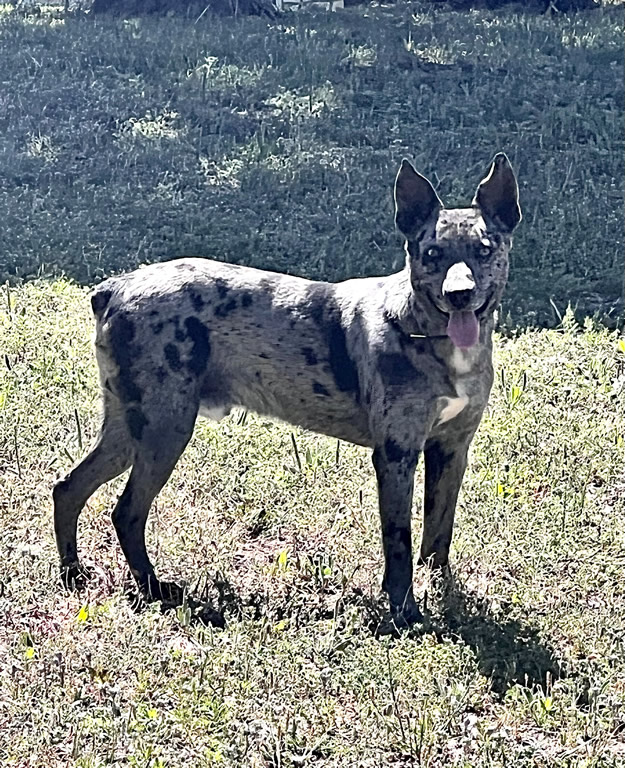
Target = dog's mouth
(463,326)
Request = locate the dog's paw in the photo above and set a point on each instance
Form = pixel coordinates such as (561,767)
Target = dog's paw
(399,620)
(170,594)
(75,576)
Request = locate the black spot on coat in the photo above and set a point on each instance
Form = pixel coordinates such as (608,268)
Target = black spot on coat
(267,285)
(200,347)
(325,314)
(222,287)
(399,534)
(396,370)
(172,355)
(394,452)
(319,389)
(309,355)
(437,459)
(100,299)
(125,352)
(342,366)
(196,300)
(318,296)
(223,310)
(135,418)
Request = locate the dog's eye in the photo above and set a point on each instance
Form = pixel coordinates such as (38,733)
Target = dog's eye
(432,254)
(486,248)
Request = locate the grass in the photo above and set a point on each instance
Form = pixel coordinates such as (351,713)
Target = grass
(520,663)
(275,144)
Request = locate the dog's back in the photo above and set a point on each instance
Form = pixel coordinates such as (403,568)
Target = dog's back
(234,336)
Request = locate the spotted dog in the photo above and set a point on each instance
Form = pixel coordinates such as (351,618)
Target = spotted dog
(401,364)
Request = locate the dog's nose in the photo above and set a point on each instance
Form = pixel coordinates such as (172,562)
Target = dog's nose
(458,285)
(459,299)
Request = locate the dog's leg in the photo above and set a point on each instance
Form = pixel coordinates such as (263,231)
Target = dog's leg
(395,469)
(111,455)
(156,454)
(445,463)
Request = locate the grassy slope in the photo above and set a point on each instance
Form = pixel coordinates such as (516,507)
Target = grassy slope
(522,664)
(276,145)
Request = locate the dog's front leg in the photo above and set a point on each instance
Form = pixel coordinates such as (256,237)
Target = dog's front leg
(445,463)
(395,468)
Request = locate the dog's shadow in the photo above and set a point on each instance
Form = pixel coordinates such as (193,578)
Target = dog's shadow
(508,650)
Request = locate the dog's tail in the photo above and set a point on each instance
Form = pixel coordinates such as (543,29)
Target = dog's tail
(100,299)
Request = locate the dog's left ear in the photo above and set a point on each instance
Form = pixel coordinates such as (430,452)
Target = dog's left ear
(416,202)
(497,196)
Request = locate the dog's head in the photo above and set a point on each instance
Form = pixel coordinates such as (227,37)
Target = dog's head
(458,258)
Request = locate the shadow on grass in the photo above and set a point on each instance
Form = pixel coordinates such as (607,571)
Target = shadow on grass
(508,651)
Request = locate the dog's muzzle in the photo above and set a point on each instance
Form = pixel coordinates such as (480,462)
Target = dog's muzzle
(459,292)
(458,286)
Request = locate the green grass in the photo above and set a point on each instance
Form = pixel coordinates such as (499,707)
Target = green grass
(276,144)
(521,663)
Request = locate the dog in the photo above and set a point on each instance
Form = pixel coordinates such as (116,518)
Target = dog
(401,364)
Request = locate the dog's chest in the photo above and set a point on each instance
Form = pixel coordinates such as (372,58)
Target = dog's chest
(469,385)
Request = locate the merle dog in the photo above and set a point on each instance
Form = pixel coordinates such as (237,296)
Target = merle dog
(401,364)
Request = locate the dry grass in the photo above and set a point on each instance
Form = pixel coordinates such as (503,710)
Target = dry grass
(521,663)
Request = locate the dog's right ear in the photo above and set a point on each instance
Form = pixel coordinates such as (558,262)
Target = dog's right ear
(416,202)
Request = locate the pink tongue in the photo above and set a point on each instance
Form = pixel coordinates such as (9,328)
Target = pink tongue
(463,329)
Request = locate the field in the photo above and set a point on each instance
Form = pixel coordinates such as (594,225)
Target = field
(520,663)
(276,146)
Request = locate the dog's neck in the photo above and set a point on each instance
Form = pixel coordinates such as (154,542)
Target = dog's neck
(411,310)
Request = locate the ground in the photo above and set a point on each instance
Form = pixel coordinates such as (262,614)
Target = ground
(275,144)
(520,661)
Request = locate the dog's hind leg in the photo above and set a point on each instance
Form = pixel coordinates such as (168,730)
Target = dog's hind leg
(395,470)
(445,464)
(157,449)
(110,456)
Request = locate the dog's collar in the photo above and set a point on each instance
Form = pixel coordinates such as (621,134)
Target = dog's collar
(424,336)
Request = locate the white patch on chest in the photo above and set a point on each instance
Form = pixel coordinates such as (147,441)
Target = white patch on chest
(215,413)
(452,406)
(462,360)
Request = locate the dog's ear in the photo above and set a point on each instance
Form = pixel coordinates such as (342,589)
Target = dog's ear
(416,202)
(497,196)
